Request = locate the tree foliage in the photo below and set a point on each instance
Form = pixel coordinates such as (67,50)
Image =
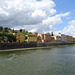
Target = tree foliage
(52,34)
(6,29)
(20,30)
(26,37)
(1,39)
(10,36)
(30,32)
(1,28)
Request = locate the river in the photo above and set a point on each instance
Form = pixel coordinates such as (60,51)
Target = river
(50,61)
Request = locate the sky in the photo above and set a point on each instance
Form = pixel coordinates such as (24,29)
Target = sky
(42,16)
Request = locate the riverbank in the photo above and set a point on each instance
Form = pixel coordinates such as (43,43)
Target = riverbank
(23,46)
(33,48)
(70,45)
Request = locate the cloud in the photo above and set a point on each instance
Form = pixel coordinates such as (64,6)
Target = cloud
(24,12)
(64,14)
(33,30)
(38,13)
(46,25)
(69,30)
(33,15)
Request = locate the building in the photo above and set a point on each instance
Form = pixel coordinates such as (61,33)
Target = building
(20,37)
(57,39)
(69,38)
(63,38)
(73,39)
(44,37)
(52,39)
(31,38)
(39,39)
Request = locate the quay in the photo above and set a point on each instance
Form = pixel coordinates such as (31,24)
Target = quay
(7,46)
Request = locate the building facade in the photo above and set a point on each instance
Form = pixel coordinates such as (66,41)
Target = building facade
(31,38)
(19,37)
(73,39)
(57,39)
(63,38)
(69,38)
(44,37)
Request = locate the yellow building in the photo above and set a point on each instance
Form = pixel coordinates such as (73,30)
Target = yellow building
(31,38)
(69,38)
(19,37)
(73,39)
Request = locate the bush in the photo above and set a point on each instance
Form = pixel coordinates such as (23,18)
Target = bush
(1,39)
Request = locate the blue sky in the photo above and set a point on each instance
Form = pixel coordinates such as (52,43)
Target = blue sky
(42,16)
(63,6)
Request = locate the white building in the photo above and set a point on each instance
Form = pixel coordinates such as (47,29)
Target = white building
(57,38)
(63,38)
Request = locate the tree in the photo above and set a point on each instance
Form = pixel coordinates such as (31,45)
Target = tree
(26,37)
(1,39)
(5,36)
(6,29)
(52,34)
(14,38)
(30,32)
(1,28)
(20,30)
(13,30)
(11,37)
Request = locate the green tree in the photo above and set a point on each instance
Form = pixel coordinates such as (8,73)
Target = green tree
(11,37)
(6,29)
(13,30)
(14,38)
(20,30)
(52,34)
(1,28)
(30,32)
(1,39)
(26,37)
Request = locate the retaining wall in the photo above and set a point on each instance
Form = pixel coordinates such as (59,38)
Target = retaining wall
(4,46)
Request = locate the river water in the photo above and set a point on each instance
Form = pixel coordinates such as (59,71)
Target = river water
(50,61)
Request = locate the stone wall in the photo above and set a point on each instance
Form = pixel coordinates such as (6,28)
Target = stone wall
(4,46)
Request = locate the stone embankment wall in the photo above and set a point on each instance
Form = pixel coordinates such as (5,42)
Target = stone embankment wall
(52,44)
(4,46)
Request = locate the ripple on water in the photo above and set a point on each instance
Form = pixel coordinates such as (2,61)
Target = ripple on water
(11,56)
(56,61)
